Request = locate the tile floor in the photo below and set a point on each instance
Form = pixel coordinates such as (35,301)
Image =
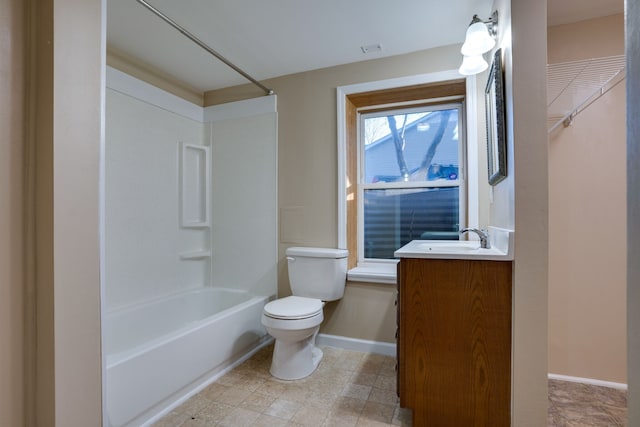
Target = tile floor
(351,388)
(573,405)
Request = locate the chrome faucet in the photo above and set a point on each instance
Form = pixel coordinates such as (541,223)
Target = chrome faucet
(482,234)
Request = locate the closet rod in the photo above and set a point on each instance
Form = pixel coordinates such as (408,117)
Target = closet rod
(203,45)
(610,84)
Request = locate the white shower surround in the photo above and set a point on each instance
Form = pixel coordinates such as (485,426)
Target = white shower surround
(142,262)
(143,239)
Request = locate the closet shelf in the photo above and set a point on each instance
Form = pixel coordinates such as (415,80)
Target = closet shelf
(573,86)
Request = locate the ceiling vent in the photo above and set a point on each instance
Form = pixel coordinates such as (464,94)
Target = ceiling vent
(371,48)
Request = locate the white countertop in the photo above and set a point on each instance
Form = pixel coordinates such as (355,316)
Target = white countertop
(501,248)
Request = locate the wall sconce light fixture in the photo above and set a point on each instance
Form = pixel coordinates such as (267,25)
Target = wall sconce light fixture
(480,39)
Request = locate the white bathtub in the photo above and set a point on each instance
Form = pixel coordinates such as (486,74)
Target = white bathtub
(157,353)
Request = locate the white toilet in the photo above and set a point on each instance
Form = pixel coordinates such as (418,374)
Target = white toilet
(315,275)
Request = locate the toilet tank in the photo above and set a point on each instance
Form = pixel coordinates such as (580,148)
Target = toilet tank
(317,272)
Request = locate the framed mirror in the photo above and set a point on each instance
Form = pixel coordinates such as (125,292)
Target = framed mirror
(494,107)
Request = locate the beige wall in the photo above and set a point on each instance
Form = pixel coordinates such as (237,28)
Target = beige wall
(587,39)
(11,213)
(523,199)
(40,212)
(62,152)
(144,72)
(587,212)
(307,134)
(78,115)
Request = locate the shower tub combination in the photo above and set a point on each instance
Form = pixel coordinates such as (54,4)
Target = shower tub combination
(160,352)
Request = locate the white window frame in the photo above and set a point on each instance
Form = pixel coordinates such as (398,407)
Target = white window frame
(384,271)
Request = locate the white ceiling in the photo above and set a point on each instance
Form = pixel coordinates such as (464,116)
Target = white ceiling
(278,37)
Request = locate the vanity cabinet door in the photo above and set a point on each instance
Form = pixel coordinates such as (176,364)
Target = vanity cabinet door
(454,348)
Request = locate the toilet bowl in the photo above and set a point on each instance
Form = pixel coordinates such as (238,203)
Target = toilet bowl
(294,321)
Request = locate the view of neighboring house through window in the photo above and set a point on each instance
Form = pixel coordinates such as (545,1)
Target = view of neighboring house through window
(410,177)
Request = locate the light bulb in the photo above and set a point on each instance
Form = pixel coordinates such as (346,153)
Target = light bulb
(477,40)
(472,65)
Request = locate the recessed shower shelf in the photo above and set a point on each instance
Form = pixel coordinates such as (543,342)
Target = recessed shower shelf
(195,177)
(195,255)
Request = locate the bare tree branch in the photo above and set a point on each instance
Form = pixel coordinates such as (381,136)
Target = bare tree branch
(399,144)
(404,128)
(437,139)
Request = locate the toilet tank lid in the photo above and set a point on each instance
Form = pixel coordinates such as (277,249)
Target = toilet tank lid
(317,252)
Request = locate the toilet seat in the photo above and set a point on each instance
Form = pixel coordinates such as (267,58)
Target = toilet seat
(293,308)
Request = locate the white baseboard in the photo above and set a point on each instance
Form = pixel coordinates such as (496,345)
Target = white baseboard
(384,348)
(589,381)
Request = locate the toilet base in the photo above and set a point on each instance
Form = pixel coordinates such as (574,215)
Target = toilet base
(295,360)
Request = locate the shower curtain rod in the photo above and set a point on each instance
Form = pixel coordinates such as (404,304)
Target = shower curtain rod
(203,45)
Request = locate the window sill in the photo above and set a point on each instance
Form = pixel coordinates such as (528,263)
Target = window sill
(374,273)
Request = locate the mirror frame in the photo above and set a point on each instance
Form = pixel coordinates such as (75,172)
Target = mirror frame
(495,122)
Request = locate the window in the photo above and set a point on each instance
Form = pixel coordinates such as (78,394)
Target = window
(410,164)
(402,162)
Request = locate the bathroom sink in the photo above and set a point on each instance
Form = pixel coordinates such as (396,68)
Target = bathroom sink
(500,242)
(448,246)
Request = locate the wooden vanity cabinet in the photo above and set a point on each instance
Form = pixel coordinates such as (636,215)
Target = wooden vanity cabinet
(454,341)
